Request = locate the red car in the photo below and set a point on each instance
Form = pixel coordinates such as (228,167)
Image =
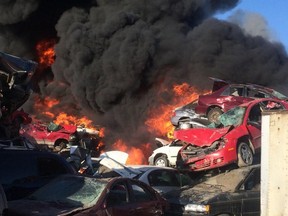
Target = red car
(53,135)
(82,195)
(235,139)
(226,95)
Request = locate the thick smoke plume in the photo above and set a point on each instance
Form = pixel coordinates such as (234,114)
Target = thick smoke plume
(113,57)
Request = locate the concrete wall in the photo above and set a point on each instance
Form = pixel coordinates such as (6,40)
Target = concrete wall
(274,164)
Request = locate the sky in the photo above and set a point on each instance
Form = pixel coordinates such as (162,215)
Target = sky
(273,12)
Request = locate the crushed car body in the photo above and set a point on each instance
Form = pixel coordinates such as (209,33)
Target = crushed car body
(226,95)
(15,89)
(236,138)
(166,154)
(234,192)
(53,135)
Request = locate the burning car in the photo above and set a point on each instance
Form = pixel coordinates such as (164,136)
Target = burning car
(235,139)
(226,95)
(54,135)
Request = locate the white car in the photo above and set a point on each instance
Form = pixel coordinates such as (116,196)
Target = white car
(162,179)
(166,155)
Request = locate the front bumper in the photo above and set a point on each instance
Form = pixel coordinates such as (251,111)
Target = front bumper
(205,162)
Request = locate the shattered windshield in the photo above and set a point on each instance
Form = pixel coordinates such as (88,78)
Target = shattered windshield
(71,190)
(279,95)
(231,117)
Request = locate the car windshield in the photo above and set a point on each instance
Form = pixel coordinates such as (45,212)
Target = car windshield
(75,191)
(233,117)
(235,177)
(279,95)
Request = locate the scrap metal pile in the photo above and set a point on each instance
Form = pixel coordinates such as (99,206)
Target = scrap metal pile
(15,89)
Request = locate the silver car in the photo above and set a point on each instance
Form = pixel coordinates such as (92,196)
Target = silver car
(185,117)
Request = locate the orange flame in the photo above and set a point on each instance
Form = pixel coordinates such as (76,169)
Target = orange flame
(159,119)
(46,53)
(136,155)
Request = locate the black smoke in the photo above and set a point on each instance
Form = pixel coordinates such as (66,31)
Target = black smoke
(113,56)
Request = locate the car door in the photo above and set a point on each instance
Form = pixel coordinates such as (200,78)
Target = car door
(172,151)
(254,125)
(250,192)
(118,201)
(131,199)
(146,202)
(233,96)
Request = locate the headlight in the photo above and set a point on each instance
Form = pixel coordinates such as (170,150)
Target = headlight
(197,208)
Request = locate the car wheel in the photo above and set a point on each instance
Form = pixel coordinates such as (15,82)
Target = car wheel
(245,155)
(214,114)
(161,161)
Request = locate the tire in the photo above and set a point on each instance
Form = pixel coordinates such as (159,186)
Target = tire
(213,114)
(161,161)
(245,155)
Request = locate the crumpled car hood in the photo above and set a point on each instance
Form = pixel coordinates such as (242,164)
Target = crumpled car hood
(193,195)
(201,136)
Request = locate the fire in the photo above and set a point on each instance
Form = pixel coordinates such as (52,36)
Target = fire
(46,53)
(136,155)
(159,119)
(64,118)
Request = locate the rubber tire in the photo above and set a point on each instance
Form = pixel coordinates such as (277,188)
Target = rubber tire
(161,161)
(244,154)
(213,114)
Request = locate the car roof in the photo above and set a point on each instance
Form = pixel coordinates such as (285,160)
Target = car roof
(219,83)
(260,100)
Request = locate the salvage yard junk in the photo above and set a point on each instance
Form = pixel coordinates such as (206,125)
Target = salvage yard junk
(15,89)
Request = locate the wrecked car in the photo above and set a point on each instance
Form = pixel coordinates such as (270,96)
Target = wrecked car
(236,138)
(162,179)
(166,154)
(24,171)
(18,143)
(185,116)
(15,89)
(54,135)
(82,195)
(234,192)
(226,95)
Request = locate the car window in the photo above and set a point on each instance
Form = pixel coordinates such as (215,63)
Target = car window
(255,114)
(233,116)
(226,92)
(118,195)
(163,178)
(252,182)
(237,91)
(271,105)
(140,194)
